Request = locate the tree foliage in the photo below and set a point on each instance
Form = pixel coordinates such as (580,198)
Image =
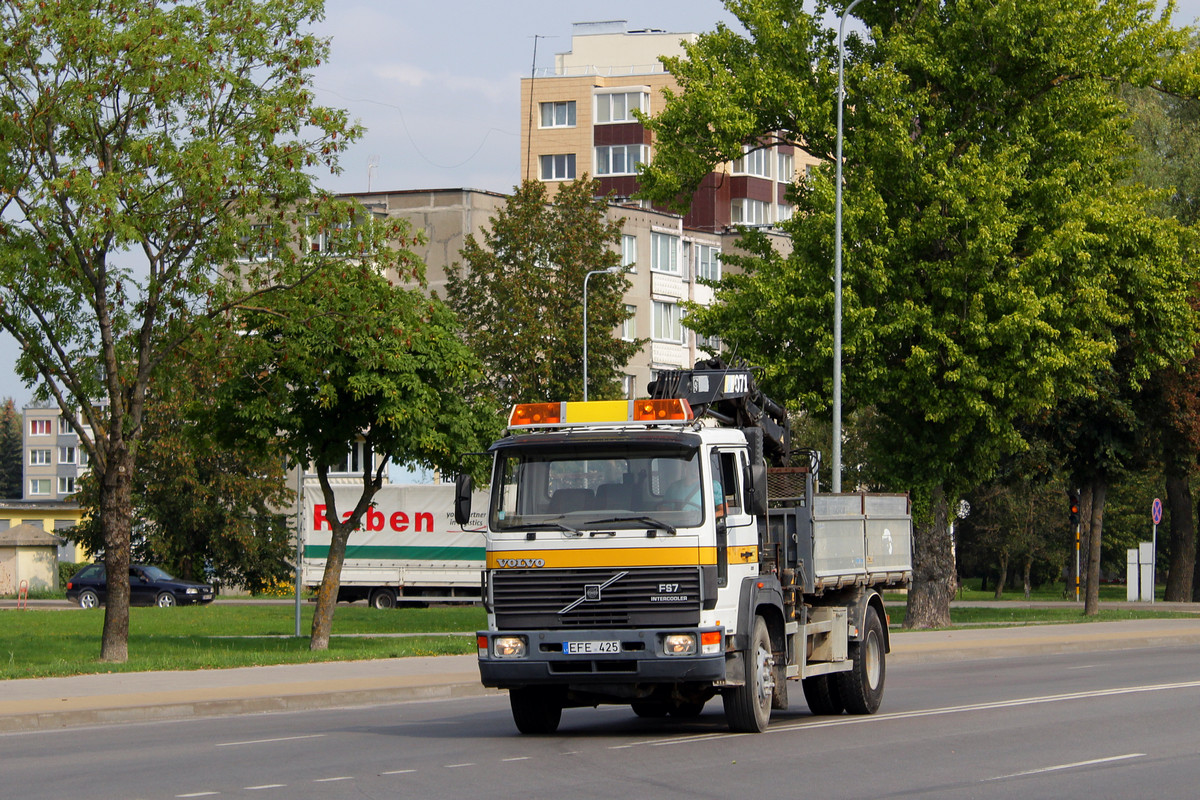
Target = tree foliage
(11,455)
(994,260)
(348,358)
(139,141)
(519,293)
(205,510)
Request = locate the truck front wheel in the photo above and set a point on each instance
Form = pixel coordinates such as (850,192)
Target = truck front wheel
(536,709)
(862,687)
(748,707)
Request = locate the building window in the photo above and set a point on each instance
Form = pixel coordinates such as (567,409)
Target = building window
(619,106)
(558,115)
(784,212)
(629,325)
(629,252)
(712,344)
(66,485)
(39,458)
(354,461)
(749,212)
(66,455)
(787,168)
(558,167)
(39,427)
(668,324)
(628,387)
(64,425)
(259,246)
(708,262)
(39,486)
(620,159)
(664,253)
(754,162)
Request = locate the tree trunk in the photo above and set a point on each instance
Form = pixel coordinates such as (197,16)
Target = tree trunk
(1099,489)
(1183,539)
(116,515)
(1028,571)
(933,569)
(1085,533)
(1003,577)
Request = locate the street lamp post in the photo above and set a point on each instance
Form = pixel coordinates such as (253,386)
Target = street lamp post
(837,266)
(609,271)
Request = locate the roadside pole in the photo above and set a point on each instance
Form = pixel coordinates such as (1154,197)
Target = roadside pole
(1155,518)
(299,540)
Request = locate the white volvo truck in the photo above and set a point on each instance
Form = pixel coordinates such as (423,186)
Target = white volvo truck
(641,552)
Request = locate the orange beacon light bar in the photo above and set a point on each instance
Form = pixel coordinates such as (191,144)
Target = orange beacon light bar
(599,412)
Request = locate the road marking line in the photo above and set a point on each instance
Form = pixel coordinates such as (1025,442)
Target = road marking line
(930,712)
(198,794)
(398,772)
(264,786)
(332,780)
(1057,767)
(518,758)
(456,766)
(268,741)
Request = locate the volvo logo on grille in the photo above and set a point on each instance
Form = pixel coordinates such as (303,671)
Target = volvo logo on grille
(591,593)
(508,563)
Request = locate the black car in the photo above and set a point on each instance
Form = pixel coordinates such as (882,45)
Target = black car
(148,586)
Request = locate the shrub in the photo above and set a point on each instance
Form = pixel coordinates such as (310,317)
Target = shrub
(65,570)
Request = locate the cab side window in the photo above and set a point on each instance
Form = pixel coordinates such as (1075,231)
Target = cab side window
(730,477)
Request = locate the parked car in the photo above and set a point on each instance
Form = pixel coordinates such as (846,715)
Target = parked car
(148,586)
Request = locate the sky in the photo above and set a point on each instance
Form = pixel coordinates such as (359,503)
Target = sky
(437,85)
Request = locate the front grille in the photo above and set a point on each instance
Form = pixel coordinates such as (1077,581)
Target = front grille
(550,598)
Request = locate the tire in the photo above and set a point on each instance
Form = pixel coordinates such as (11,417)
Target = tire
(383,598)
(165,600)
(748,707)
(862,687)
(88,599)
(823,696)
(536,709)
(650,709)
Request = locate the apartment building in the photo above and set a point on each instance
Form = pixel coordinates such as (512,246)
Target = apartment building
(53,459)
(579,118)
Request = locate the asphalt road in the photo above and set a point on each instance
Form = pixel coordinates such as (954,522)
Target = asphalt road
(1096,725)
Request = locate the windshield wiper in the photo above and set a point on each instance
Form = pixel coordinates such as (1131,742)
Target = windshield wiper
(562,526)
(638,518)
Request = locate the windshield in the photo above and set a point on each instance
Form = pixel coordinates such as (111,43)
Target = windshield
(156,574)
(586,488)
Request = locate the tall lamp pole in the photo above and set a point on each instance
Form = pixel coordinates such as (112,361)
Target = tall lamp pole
(609,271)
(837,264)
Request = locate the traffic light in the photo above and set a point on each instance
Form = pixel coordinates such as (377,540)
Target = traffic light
(1073,499)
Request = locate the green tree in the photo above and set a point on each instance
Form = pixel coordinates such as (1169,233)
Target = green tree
(11,457)
(520,296)
(206,511)
(139,141)
(346,358)
(993,260)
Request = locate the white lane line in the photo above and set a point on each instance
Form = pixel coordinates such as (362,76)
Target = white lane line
(456,766)
(931,712)
(198,794)
(264,786)
(518,758)
(269,741)
(398,772)
(332,780)
(1058,767)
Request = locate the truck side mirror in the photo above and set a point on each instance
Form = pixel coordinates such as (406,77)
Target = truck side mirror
(756,489)
(464,485)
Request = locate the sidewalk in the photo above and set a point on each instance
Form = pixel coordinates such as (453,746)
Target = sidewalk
(50,703)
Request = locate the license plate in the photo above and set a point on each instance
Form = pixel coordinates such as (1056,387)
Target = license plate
(586,648)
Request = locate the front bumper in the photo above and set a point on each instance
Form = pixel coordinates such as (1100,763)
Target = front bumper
(641,659)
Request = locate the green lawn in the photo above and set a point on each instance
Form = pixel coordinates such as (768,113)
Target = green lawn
(48,642)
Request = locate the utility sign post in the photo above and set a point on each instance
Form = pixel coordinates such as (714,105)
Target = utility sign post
(1073,503)
(1155,517)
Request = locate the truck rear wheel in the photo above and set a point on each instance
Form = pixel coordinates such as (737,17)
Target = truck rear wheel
(383,598)
(862,687)
(748,707)
(536,709)
(822,694)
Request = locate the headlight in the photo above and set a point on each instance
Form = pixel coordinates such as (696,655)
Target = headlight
(679,644)
(192,590)
(509,647)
